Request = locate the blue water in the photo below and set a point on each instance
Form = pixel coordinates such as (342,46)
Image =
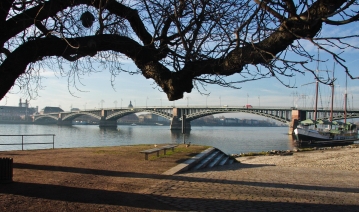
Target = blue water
(231,140)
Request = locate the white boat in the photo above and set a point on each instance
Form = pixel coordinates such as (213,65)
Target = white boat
(133,124)
(326,132)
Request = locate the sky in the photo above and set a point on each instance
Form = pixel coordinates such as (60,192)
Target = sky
(95,90)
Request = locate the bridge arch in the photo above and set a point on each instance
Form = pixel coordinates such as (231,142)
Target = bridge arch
(280,115)
(46,116)
(122,113)
(72,116)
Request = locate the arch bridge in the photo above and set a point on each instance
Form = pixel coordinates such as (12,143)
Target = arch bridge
(108,117)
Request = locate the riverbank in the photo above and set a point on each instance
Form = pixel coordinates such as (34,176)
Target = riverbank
(333,158)
(119,179)
(290,152)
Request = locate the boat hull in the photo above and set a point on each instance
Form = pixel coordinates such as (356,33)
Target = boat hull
(306,137)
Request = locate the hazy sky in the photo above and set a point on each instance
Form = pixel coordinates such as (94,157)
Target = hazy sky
(96,90)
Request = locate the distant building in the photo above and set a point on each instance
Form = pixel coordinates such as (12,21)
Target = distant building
(46,110)
(130,105)
(17,113)
(150,118)
(131,118)
(75,109)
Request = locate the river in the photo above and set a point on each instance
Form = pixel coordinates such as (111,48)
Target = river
(231,140)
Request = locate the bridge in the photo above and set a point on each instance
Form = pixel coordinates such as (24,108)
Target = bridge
(108,117)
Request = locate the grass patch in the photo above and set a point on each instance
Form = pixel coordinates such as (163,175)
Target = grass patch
(119,150)
(306,149)
(109,152)
(253,154)
(180,149)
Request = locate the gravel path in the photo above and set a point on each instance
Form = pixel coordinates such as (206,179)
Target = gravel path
(306,181)
(334,159)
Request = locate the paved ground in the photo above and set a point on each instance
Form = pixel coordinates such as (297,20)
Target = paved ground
(119,179)
(275,186)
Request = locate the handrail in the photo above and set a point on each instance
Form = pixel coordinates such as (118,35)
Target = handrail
(22,140)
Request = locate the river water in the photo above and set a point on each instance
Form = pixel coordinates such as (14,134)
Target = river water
(231,140)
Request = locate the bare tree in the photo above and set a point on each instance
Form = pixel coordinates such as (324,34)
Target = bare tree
(180,44)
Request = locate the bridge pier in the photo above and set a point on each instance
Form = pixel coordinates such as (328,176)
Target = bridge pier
(176,123)
(297,115)
(106,123)
(61,122)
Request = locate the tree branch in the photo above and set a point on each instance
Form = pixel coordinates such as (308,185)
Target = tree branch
(270,10)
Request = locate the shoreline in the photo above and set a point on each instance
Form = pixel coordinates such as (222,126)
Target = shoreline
(295,150)
(329,158)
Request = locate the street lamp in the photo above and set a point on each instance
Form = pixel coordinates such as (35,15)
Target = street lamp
(102,101)
(220,101)
(121,103)
(259,101)
(247,99)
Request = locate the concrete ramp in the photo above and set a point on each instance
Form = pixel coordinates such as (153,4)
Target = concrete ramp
(209,158)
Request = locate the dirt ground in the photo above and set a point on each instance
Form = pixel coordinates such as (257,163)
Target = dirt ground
(88,179)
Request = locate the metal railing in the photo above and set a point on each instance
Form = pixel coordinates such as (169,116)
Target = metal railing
(22,140)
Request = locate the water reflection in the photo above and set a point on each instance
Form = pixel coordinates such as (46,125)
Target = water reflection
(291,141)
(178,137)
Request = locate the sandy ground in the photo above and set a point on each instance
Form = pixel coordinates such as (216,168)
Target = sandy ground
(338,158)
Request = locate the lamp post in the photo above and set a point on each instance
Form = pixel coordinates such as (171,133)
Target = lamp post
(220,101)
(121,103)
(247,99)
(102,101)
(259,101)
(294,95)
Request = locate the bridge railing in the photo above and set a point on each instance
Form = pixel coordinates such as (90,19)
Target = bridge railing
(210,107)
(24,143)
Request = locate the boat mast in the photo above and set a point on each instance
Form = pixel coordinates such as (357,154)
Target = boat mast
(331,106)
(316,92)
(345,99)
(316,100)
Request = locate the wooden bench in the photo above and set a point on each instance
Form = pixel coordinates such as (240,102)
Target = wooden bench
(157,150)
